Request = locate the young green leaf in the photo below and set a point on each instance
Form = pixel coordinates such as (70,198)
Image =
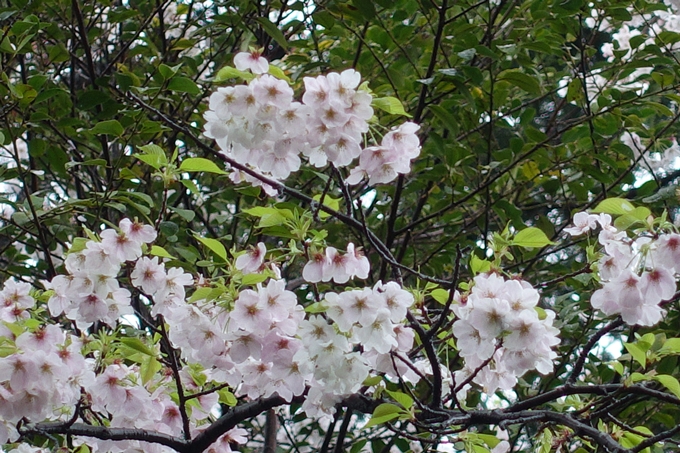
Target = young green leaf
(214,245)
(615,206)
(192,164)
(637,353)
(109,127)
(384,413)
(184,85)
(670,382)
(531,237)
(390,105)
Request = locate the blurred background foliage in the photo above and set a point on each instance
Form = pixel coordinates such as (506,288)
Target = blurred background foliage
(522,124)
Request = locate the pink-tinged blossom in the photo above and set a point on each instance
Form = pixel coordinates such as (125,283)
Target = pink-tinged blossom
(317,91)
(379,334)
(149,274)
(99,260)
(358,262)
(336,266)
(279,302)
(404,140)
(245,345)
(19,370)
(471,342)
(45,338)
(314,269)
(137,232)
(176,280)
(109,386)
(91,308)
(251,261)
(250,312)
(583,223)
(120,246)
(355,306)
(16,294)
(396,299)
(622,296)
(316,329)
(270,90)
(223,443)
(666,254)
(59,301)
(342,85)
(253,61)
(490,316)
(220,103)
(657,284)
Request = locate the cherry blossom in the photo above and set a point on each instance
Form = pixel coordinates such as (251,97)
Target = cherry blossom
(253,61)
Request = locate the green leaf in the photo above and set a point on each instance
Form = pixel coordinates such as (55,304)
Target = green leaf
(365,8)
(440,295)
(109,127)
(670,346)
(669,382)
(214,245)
(273,31)
(371,381)
(615,206)
(78,245)
(316,307)
(333,203)
(157,250)
(186,214)
(278,73)
(254,279)
(167,71)
(138,345)
(638,377)
(390,105)
(153,155)
(192,164)
(16,329)
(228,72)
(226,397)
(402,398)
(531,237)
(617,366)
(478,265)
(184,85)
(20,218)
(384,413)
(489,439)
(148,368)
(270,216)
(521,80)
(201,293)
(638,354)
(358,446)
(189,184)
(546,440)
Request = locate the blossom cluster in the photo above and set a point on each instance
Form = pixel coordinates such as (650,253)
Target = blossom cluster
(365,332)
(91,291)
(260,344)
(42,376)
(48,370)
(637,274)
(332,265)
(501,334)
(260,125)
